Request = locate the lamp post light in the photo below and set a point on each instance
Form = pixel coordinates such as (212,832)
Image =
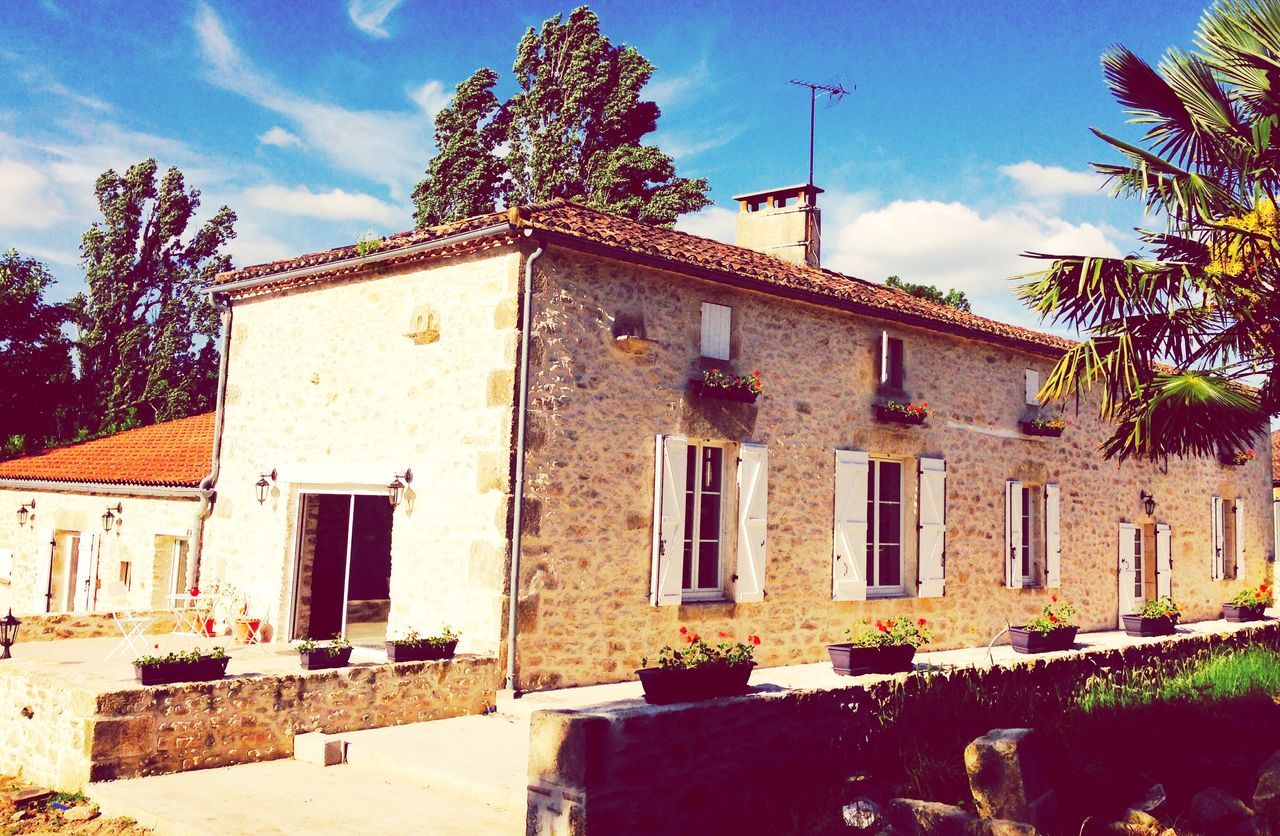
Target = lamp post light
(395,490)
(263,486)
(111,516)
(8,633)
(1148,503)
(24,511)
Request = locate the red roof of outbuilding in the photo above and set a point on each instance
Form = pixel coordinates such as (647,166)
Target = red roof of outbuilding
(174,454)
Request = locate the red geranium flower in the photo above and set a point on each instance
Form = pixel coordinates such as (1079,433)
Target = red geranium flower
(754,639)
(684,630)
(1052,618)
(920,622)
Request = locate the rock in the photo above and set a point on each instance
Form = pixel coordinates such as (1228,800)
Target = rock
(864,816)
(18,816)
(1152,800)
(1252,826)
(1143,820)
(1009,778)
(1215,810)
(929,817)
(1005,827)
(80,813)
(1266,798)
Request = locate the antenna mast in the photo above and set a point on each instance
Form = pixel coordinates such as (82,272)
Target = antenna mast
(836,91)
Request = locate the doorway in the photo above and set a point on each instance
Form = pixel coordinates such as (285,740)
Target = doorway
(342,581)
(64,572)
(1145,567)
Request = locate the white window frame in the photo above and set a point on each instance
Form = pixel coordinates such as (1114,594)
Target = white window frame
(875,589)
(1139,564)
(717,326)
(728,456)
(1034,536)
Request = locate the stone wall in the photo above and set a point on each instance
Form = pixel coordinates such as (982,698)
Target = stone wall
(595,412)
(87,625)
(143,522)
(743,764)
(339,388)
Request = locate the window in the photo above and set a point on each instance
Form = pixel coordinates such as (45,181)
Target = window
(892,366)
(1030,556)
(884,526)
(1032,534)
(126,574)
(701,576)
(716,320)
(1227,538)
(1032,387)
(1139,565)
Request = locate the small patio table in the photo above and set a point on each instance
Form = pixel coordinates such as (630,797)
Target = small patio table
(189,611)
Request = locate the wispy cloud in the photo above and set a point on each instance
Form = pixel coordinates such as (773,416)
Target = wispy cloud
(671,89)
(334,205)
(279,137)
(38,79)
(27,197)
(681,145)
(1051,181)
(370,15)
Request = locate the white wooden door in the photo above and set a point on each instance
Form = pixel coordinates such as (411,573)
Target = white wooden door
(1127,570)
(1164,560)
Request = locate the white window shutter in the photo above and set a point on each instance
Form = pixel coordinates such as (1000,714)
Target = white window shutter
(1216,538)
(86,572)
(1125,567)
(44,564)
(884,357)
(715,330)
(753,522)
(1013,534)
(1052,536)
(1033,387)
(1239,506)
(933,527)
(1164,561)
(670,464)
(6,565)
(849,559)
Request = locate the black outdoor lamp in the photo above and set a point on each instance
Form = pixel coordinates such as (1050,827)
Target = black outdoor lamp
(263,485)
(8,633)
(1148,503)
(25,510)
(109,518)
(395,490)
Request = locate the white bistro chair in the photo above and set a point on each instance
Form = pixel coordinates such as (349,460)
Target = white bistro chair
(132,623)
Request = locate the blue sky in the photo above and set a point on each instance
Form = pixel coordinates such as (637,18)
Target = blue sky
(965,142)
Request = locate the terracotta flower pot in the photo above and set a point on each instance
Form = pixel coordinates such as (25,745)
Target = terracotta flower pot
(245,630)
(205,627)
(1136,625)
(849,660)
(1033,641)
(1241,613)
(663,686)
(202,670)
(420,652)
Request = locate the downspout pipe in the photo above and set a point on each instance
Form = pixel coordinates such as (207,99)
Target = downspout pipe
(517,493)
(208,483)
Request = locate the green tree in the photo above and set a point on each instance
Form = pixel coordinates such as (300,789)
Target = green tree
(148,338)
(1172,334)
(36,381)
(952,298)
(573,130)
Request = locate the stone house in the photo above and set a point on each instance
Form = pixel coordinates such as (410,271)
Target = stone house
(577,463)
(105,524)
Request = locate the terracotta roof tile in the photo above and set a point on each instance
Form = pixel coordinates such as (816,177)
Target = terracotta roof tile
(172,454)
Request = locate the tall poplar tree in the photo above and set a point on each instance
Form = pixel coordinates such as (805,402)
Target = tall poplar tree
(464,179)
(148,338)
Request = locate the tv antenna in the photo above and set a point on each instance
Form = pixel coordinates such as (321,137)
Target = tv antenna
(835,92)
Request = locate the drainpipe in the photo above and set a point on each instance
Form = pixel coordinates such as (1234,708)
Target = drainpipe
(208,482)
(517,516)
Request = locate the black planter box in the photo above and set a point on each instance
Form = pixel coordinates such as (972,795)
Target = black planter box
(421,652)
(202,670)
(892,416)
(319,659)
(739,395)
(1233,612)
(1136,625)
(663,686)
(1031,428)
(1031,641)
(849,660)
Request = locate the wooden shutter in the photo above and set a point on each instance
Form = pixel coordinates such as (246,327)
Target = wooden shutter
(1033,387)
(849,560)
(1125,568)
(753,522)
(715,330)
(1164,560)
(1239,538)
(45,544)
(933,527)
(1013,534)
(1052,536)
(1216,538)
(884,357)
(666,576)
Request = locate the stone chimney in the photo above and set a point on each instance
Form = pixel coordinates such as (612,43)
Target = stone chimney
(784,222)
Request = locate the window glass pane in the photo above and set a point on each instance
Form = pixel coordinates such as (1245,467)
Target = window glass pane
(712,468)
(687,575)
(890,522)
(709,522)
(1026,532)
(691,468)
(708,565)
(890,481)
(890,565)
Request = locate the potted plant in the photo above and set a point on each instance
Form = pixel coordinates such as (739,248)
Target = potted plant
(1041,425)
(181,666)
(1238,458)
(887,647)
(1052,630)
(896,412)
(1248,605)
(698,670)
(318,655)
(413,647)
(1153,618)
(729,387)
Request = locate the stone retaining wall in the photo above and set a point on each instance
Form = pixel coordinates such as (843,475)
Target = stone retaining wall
(83,625)
(725,765)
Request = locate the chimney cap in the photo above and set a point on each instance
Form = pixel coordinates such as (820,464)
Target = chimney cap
(807,188)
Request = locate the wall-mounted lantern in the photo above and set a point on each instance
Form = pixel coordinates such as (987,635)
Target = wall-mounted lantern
(24,511)
(264,484)
(8,633)
(1148,503)
(112,517)
(395,490)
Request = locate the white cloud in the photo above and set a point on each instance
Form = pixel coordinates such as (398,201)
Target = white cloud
(681,146)
(27,198)
(431,97)
(335,205)
(279,137)
(714,222)
(255,245)
(668,90)
(1050,181)
(370,15)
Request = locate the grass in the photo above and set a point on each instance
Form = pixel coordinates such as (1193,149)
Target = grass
(1219,678)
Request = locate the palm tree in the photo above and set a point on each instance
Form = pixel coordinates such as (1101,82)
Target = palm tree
(1183,343)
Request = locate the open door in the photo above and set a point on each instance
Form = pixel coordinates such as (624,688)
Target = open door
(1129,570)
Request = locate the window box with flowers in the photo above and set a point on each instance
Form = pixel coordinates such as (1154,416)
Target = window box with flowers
(1248,605)
(887,647)
(417,648)
(1052,630)
(1238,458)
(181,666)
(1153,618)
(728,387)
(318,655)
(699,670)
(896,412)
(1042,425)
